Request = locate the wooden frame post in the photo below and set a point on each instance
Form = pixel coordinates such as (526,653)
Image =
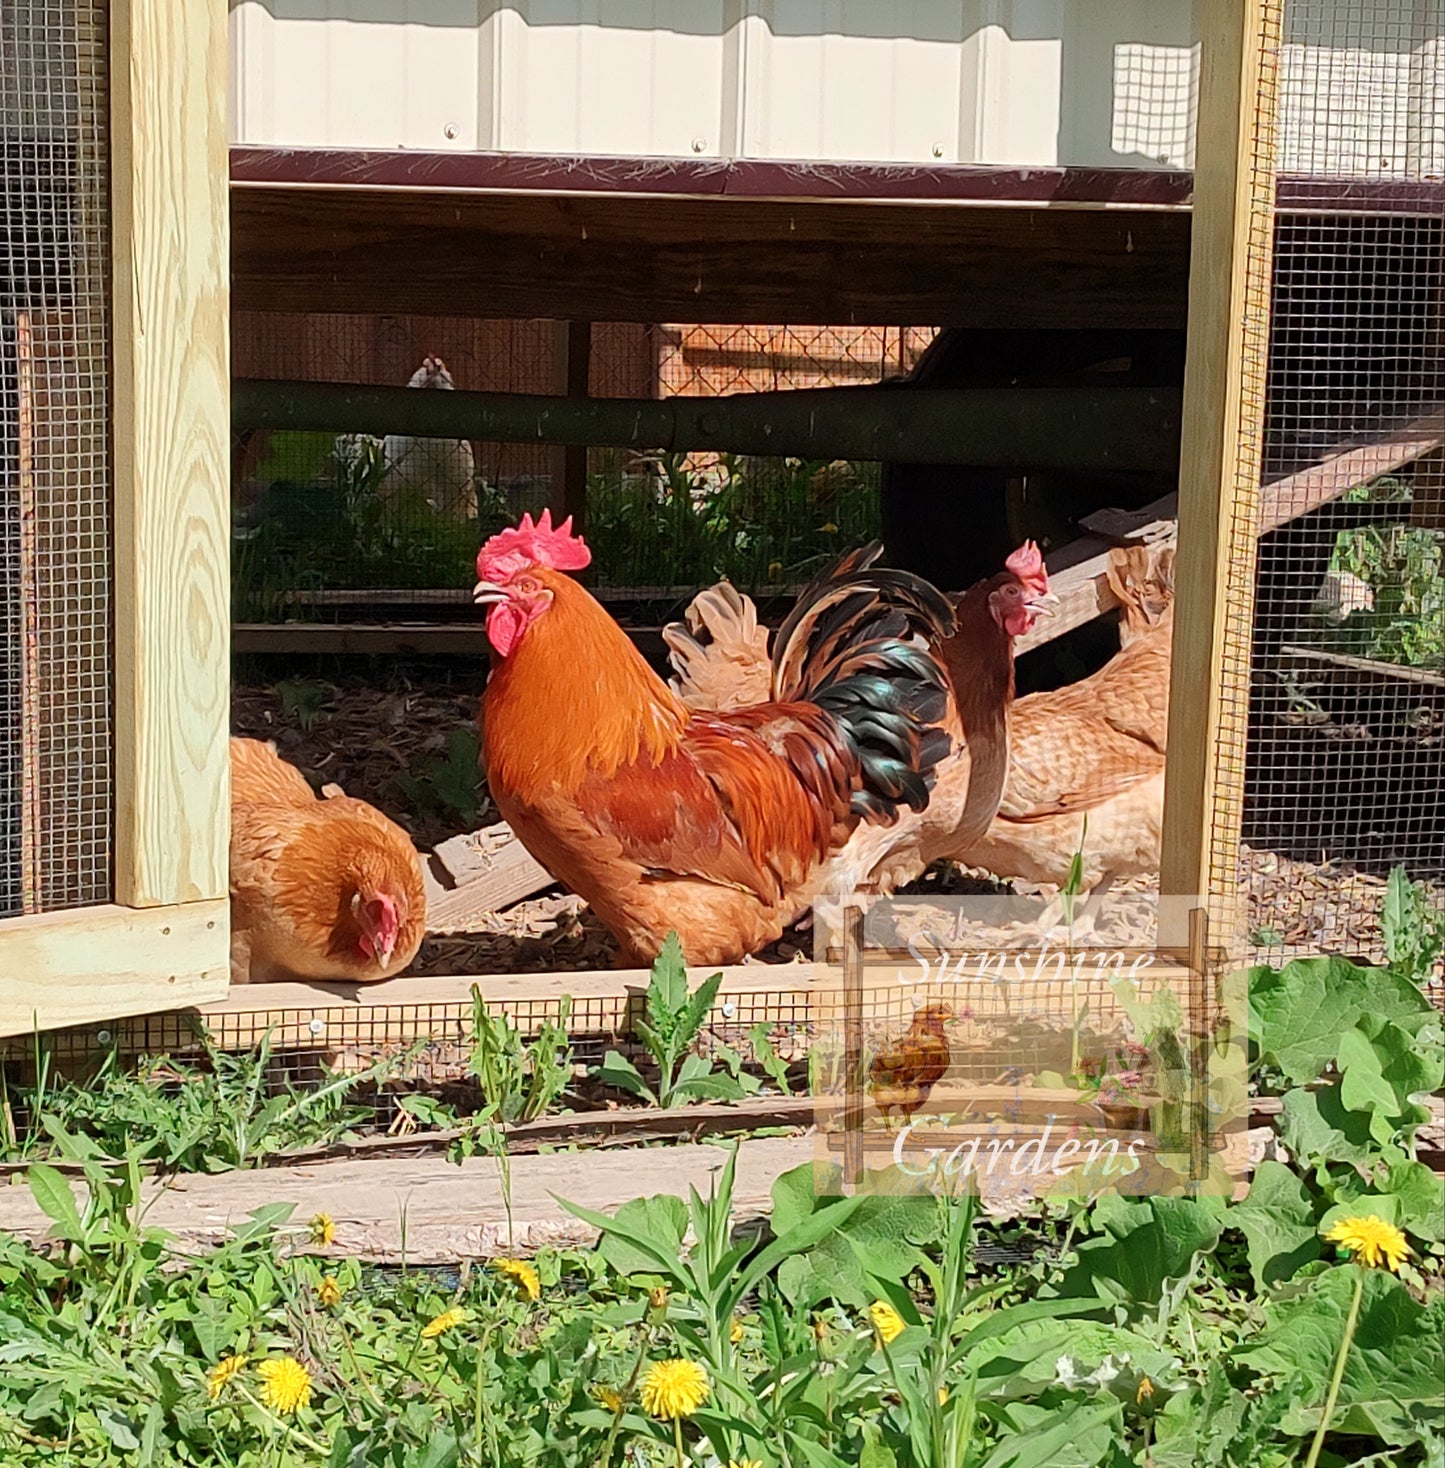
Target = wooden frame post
(1223,421)
(571,368)
(163,943)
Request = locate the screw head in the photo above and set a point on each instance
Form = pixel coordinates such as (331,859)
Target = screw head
(451,130)
(938,150)
(699,145)
(316,1026)
(729,1009)
(103,1037)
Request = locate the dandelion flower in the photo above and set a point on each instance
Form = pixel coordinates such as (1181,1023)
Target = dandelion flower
(323,1230)
(887,1322)
(610,1398)
(820,1331)
(674,1389)
(221,1373)
(943,1396)
(440,1324)
(735,1332)
(745,1463)
(285,1384)
(1146,1390)
(523,1273)
(329,1291)
(1371,1240)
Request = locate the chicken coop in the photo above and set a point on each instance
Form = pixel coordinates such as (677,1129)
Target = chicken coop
(114,388)
(1110,277)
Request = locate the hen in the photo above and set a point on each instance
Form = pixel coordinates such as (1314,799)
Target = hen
(664,818)
(719,657)
(320,889)
(905,1070)
(1093,750)
(442,471)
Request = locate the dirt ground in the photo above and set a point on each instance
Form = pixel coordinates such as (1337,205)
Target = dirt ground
(406,743)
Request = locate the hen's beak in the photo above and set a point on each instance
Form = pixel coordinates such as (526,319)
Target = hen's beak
(1045,604)
(488,591)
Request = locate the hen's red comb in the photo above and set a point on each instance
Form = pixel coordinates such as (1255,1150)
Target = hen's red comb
(1027,565)
(539,544)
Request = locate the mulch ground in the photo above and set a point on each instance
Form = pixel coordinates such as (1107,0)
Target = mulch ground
(384,742)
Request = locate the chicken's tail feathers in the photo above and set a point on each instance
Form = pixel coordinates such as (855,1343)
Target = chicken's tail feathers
(1142,577)
(719,652)
(860,643)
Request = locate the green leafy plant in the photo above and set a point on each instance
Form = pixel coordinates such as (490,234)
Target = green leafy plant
(675,1019)
(1414,927)
(449,783)
(520,1080)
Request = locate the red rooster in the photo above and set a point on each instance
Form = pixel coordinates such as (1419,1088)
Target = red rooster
(709,824)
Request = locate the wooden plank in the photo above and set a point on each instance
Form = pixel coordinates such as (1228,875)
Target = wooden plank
(431,1211)
(96,964)
(1349,465)
(571,367)
(680,258)
(1371,666)
(424,639)
(1427,499)
(471,877)
(170,242)
(1220,465)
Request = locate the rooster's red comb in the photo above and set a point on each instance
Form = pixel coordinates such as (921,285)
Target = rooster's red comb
(539,544)
(1027,565)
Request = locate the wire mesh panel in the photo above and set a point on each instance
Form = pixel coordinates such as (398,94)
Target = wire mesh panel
(55,486)
(318,516)
(1347,750)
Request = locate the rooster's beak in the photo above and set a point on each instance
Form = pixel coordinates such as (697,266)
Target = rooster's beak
(488,591)
(1044,605)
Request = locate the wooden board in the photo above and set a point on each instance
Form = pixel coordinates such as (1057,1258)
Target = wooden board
(473,876)
(1224,384)
(170,238)
(101,964)
(722,259)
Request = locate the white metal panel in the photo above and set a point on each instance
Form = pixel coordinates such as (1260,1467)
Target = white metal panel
(1012,82)
(853,79)
(356,73)
(636,77)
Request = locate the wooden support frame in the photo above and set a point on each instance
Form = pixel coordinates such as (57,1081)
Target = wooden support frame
(1222,433)
(571,372)
(164,943)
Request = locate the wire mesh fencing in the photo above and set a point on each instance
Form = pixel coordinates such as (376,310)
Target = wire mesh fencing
(326,521)
(1346,762)
(55,478)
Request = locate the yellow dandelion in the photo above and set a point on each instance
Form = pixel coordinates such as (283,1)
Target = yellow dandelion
(735,1332)
(323,1230)
(523,1273)
(1371,1240)
(745,1463)
(674,1389)
(285,1384)
(329,1291)
(1146,1390)
(221,1373)
(887,1322)
(440,1324)
(610,1398)
(943,1396)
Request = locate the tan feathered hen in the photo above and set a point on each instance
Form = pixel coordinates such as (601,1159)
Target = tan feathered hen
(720,661)
(1093,750)
(320,889)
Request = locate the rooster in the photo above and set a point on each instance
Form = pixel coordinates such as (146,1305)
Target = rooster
(719,656)
(320,889)
(663,818)
(905,1070)
(1093,751)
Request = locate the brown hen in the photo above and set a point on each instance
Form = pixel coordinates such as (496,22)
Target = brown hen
(320,889)
(904,1072)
